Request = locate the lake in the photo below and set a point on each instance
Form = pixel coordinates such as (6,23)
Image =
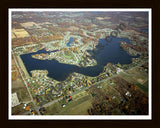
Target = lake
(70,41)
(144,30)
(103,54)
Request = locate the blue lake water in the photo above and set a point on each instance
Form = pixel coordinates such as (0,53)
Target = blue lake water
(70,41)
(144,29)
(104,53)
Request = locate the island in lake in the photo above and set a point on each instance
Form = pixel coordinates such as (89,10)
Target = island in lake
(63,63)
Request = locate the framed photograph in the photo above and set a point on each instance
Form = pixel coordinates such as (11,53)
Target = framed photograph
(80,63)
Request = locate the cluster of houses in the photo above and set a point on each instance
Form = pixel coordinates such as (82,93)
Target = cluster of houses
(27,48)
(39,82)
(42,86)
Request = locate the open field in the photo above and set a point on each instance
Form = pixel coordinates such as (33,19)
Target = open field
(118,97)
(138,78)
(13,35)
(18,110)
(18,85)
(20,33)
(22,93)
(119,92)
(79,106)
(75,70)
(28,24)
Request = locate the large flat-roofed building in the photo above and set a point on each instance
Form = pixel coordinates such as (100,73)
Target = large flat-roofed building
(14,99)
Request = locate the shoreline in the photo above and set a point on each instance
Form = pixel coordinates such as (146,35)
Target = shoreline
(23,66)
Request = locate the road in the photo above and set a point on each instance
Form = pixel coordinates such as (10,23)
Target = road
(35,106)
(55,101)
(52,102)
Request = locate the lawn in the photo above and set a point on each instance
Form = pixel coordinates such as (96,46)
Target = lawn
(134,76)
(78,106)
(18,110)
(22,94)
(68,56)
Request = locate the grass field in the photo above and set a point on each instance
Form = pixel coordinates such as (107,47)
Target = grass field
(137,77)
(78,106)
(18,86)
(68,56)
(20,33)
(18,110)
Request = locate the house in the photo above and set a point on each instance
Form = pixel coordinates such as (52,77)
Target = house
(63,105)
(27,107)
(128,94)
(70,98)
(119,70)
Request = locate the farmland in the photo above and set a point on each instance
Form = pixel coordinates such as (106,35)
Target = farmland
(113,97)
(62,63)
(79,106)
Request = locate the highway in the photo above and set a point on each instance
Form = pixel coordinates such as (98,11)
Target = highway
(52,102)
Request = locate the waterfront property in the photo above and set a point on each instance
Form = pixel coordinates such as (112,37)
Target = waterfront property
(110,53)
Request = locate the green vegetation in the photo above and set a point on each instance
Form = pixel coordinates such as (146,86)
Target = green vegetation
(18,110)
(68,55)
(53,109)
(124,93)
(137,77)
(78,106)
(142,87)
(124,98)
